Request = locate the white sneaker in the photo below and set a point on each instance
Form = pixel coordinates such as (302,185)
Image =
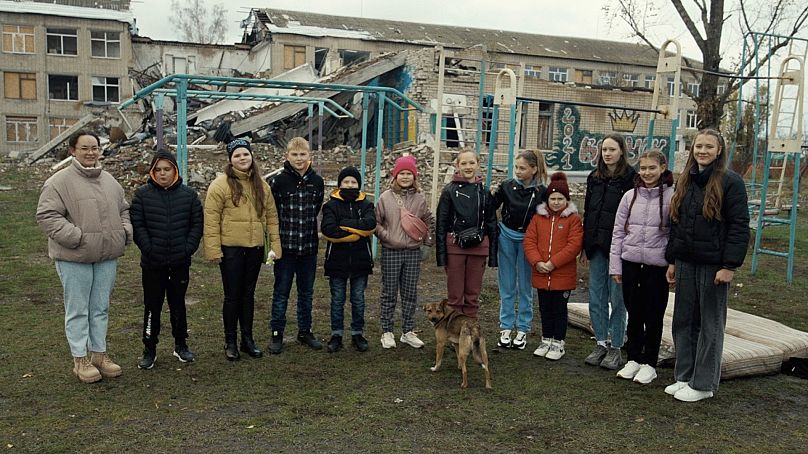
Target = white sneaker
(543,347)
(388,341)
(504,339)
(688,394)
(520,341)
(411,339)
(671,389)
(556,350)
(645,375)
(629,370)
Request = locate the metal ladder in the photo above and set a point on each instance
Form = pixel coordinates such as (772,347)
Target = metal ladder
(784,141)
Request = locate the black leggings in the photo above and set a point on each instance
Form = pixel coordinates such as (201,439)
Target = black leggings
(240,267)
(553,308)
(645,294)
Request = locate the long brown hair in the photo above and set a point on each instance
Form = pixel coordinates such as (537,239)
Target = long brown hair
(665,179)
(602,170)
(535,158)
(255,181)
(714,191)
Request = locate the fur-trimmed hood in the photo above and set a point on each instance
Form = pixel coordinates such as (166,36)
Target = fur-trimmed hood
(571,208)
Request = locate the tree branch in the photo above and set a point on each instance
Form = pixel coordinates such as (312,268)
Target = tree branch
(691,27)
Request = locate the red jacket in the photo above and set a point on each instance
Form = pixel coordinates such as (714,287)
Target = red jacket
(557,237)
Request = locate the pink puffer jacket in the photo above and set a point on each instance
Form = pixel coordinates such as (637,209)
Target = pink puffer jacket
(645,241)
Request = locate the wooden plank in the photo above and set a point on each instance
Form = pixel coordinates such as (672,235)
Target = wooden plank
(60,138)
(285,110)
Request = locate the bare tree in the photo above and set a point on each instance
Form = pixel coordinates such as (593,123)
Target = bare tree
(198,23)
(705,21)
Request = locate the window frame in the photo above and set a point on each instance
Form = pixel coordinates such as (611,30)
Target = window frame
(106,42)
(19,85)
(66,123)
(631,80)
(558,73)
(650,81)
(61,36)
(68,88)
(15,35)
(22,120)
(691,120)
(607,78)
(291,51)
(105,85)
(531,71)
(694,87)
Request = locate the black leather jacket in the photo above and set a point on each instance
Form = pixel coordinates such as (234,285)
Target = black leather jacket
(463,205)
(518,203)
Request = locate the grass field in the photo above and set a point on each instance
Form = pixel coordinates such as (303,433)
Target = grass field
(379,401)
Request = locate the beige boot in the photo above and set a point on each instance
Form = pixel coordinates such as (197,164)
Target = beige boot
(105,365)
(85,371)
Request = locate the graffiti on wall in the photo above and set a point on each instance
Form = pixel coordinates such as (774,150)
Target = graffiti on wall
(577,149)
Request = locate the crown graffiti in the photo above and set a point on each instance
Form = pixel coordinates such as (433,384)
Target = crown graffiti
(624,120)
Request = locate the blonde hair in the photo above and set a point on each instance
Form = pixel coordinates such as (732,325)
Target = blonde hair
(298,144)
(464,151)
(535,158)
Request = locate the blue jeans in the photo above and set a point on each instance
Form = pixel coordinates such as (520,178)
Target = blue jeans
(338,287)
(87,288)
(289,266)
(602,291)
(514,273)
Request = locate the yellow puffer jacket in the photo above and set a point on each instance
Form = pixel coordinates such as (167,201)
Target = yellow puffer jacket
(229,225)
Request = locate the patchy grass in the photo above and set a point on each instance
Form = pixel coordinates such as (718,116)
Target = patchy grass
(351,402)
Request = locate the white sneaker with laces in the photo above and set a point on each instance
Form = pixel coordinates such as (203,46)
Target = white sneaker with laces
(411,339)
(688,394)
(504,339)
(543,347)
(556,350)
(629,371)
(388,341)
(520,341)
(671,389)
(645,375)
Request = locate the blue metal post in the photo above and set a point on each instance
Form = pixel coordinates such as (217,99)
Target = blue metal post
(364,151)
(795,192)
(379,149)
(182,128)
(511,139)
(480,99)
(761,213)
(311,114)
(671,144)
(651,130)
(320,127)
(492,144)
(159,112)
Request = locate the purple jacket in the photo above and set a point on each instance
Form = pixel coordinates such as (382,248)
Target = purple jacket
(645,241)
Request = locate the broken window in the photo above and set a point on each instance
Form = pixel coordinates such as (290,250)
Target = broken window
(105,89)
(293,56)
(64,88)
(18,39)
(545,136)
(59,125)
(608,78)
(21,129)
(62,41)
(350,57)
(583,76)
(106,44)
(631,80)
(19,85)
(320,54)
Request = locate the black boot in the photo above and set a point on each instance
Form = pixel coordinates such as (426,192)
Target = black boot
(335,344)
(248,346)
(360,342)
(231,350)
(307,338)
(276,345)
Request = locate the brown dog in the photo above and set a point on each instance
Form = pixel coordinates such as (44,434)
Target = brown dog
(463,332)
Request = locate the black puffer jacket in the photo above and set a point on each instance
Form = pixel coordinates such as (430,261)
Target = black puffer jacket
(167,222)
(603,196)
(518,203)
(463,205)
(348,226)
(695,239)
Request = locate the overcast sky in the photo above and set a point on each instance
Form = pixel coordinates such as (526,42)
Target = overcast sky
(581,18)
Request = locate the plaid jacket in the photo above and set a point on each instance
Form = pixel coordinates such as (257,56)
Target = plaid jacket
(298,199)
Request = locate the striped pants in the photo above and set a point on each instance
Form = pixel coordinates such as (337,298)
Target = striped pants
(400,271)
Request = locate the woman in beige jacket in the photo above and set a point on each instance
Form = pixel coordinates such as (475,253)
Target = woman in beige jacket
(83,211)
(239,214)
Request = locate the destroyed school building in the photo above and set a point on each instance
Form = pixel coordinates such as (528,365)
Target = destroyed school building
(61,64)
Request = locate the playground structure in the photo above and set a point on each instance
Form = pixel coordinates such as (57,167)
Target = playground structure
(783,131)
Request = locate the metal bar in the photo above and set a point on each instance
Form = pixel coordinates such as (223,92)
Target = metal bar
(775,253)
(588,104)
(478,140)
(320,127)
(182,129)
(795,192)
(364,151)
(672,144)
(159,112)
(511,140)
(292,99)
(437,130)
(379,150)
(492,145)
(310,114)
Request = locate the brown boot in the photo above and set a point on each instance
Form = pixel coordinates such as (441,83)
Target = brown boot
(85,371)
(105,365)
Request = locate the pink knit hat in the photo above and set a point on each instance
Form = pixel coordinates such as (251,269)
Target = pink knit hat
(405,163)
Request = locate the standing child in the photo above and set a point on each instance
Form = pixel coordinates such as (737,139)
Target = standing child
(466,234)
(167,220)
(239,216)
(401,257)
(519,198)
(348,223)
(708,242)
(299,196)
(605,187)
(552,242)
(637,261)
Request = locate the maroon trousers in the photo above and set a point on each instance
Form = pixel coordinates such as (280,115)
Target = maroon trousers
(464,282)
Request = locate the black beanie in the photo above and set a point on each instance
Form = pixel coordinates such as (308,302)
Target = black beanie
(238,143)
(349,172)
